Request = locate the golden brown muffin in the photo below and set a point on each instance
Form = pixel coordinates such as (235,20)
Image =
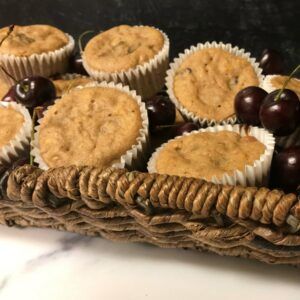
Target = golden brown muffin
(32,39)
(278,81)
(123,47)
(64,85)
(91,126)
(4,87)
(11,122)
(207,81)
(208,154)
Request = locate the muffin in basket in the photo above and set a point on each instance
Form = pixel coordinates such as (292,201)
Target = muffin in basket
(15,124)
(34,50)
(66,82)
(203,81)
(221,154)
(95,125)
(134,55)
(275,82)
(4,87)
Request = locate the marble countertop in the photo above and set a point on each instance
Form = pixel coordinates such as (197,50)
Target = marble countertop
(44,264)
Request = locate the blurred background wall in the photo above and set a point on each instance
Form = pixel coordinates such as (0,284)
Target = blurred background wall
(251,24)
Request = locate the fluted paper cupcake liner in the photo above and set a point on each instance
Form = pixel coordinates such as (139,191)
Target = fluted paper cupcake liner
(252,175)
(269,87)
(146,79)
(44,64)
(20,143)
(182,56)
(134,157)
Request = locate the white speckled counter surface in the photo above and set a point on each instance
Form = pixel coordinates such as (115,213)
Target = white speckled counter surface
(39,264)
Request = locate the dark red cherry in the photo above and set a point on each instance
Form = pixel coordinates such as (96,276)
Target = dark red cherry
(161,111)
(34,91)
(247,103)
(10,96)
(76,65)
(271,62)
(280,116)
(285,172)
(183,128)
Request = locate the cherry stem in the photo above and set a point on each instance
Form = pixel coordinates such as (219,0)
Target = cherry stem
(9,75)
(81,37)
(34,118)
(10,30)
(286,82)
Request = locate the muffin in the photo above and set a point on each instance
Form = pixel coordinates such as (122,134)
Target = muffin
(96,125)
(4,87)
(275,82)
(134,55)
(15,124)
(66,82)
(34,50)
(203,81)
(221,154)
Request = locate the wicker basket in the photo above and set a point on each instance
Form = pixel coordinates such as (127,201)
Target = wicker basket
(166,211)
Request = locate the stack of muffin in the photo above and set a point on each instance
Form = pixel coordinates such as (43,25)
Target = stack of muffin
(100,119)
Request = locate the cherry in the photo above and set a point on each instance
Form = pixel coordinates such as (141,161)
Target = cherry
(280,112)
(271,62)
(285,172)
(10,95)
(34,91)
(161,111)
(183,128)
(247,103)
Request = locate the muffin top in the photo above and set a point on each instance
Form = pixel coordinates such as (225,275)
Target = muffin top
(279,80)
(64,85)
(11,121)
(123,47)
(208,154)
(32,39)
(207,81)
(91,126)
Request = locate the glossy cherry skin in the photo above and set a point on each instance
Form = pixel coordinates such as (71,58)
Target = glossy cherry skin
(10,96)
(34,91)
(271,62)
(161,111)
(281,116)
(183,128)
(247,103)
(285,172)
(76,65)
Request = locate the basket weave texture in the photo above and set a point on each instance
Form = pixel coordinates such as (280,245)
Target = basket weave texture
(167,211)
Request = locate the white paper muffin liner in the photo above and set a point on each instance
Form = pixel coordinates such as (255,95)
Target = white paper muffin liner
(252,175)
(182,56)
(20,143)
(268,86)
(146,79)
(44,64)
(134,157)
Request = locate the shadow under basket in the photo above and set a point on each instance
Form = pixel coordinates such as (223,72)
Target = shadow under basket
(167,211)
